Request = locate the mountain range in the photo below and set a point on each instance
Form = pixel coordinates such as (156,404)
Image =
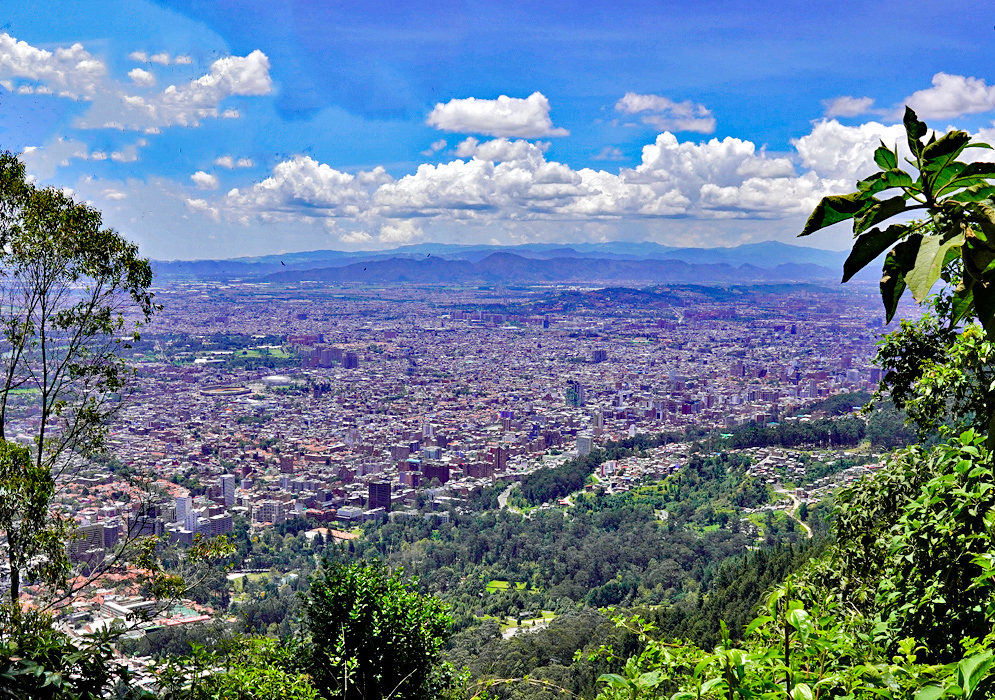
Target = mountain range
(436,263)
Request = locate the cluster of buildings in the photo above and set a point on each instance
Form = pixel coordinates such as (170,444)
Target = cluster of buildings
(268,403)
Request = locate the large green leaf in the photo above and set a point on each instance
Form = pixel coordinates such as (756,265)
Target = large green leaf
(942,152)
(870,245)
(930,259)
(915,130)
(885,180)
(878,212)
(975,193)
(832,210)
(886,158)
(898,262)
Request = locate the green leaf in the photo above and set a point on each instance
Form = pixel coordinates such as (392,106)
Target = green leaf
(898,262)
(930,692)
(915,130)
(885,180)
(878,212)
(870,245)
(614,680)
(974,193)
(759,622)
(929,263)
(832,210)
(942,152)
(885,157)
(972,670)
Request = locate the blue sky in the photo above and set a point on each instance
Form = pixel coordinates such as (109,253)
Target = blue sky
(219,128)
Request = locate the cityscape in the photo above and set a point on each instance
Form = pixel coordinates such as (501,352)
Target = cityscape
(348,407)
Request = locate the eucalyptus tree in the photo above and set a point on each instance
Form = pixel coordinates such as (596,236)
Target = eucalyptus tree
(72,295)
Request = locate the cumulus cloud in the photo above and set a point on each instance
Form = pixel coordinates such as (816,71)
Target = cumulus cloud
(356,237)
(305,186)
(187,105)
(665,114)
(204,181)
(229,162)
(76,74)
(202,206)
(399,232)
(505,116)
(141,77)
(182,60)
(846,153)
(951,96)
(846,106)
(68,72)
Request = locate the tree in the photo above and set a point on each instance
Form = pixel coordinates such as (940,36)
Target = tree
(67,285)
(372,636)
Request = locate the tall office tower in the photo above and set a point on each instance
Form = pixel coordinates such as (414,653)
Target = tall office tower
(227,482)
(575,393)
(184,504)
(379,496)
(499,458)
(350,360)
(585,443)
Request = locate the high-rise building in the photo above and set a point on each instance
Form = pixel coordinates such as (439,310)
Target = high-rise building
(227,483)
(184,504)
(585,443)
(350,360)
(379,495)
(499,458)
(599,355)
(575,393)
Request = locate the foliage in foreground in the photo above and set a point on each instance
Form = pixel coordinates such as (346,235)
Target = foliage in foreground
(902,604)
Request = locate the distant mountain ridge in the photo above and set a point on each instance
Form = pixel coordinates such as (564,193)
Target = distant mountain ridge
(532,262)
(509,268)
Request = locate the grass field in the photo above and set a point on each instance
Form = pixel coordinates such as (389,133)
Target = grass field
(496,585)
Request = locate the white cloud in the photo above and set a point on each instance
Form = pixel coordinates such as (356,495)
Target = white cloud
(665,114)
(204,207)
(69,72)
(399,232)
(182,60)
(435,147)
(951,96)
(76,74)
(141,77)
(204,181)
(356,237)
(846,106)
(199,99)
(128,154)
(303,186)
(230,163)
(610,153)
(846,153)
(139,56)
(114,195)
(505,116)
